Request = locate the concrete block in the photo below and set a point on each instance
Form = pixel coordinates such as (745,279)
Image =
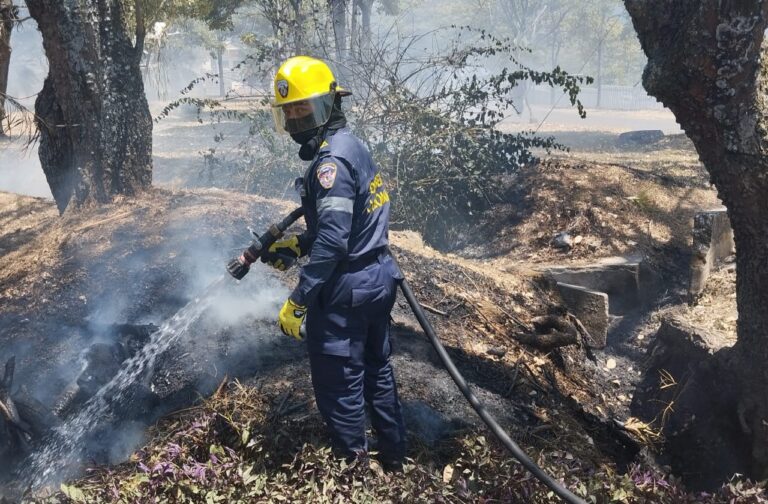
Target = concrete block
(712,242)
(591,307)
(619,281)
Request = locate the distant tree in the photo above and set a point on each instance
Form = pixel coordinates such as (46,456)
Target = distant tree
(598,28)
(360,32)
(286,19)
(94,121)
(339,23)
(8,17)
(708,62)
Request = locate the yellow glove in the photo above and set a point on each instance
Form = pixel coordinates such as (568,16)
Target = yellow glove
(282,254)
(290,319)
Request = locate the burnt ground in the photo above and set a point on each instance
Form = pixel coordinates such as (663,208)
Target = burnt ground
(139,261)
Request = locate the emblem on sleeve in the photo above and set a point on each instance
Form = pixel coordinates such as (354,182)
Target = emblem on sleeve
(326,174)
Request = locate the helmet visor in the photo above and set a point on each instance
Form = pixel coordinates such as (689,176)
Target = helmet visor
(303,115)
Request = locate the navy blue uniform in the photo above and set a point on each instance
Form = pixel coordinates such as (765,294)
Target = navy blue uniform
(349,287)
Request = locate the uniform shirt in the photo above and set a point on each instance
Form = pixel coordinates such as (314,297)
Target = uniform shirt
(346,211)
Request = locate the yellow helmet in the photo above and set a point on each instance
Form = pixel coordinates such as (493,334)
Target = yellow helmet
(305,90)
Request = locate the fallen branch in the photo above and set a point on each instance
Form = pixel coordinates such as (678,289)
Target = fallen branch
(433,309)
(586,337)
(91,225)
(532,380)
(221,386)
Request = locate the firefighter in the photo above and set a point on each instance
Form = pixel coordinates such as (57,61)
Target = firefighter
(347,288)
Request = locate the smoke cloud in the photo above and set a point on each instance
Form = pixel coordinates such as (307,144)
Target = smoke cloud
(20,172)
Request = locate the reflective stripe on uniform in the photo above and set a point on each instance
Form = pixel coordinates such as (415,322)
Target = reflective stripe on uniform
(335,203)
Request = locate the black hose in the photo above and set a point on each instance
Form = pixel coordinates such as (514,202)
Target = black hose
(491,422)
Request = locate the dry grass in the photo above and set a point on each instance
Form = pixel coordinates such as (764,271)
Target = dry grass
(610,209)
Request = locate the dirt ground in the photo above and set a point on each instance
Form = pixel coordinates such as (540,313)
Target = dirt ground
(140,260)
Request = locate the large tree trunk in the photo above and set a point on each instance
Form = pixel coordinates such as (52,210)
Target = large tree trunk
(7,18)
(707,63)
(93,117)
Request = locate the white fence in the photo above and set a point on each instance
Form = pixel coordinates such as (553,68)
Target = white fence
(612,97)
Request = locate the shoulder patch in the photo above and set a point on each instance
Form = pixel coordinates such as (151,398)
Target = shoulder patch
(326,174)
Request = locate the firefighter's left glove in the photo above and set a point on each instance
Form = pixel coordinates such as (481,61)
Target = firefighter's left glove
(283,254)
(290,319)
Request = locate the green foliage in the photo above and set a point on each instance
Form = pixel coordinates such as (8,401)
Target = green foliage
(433,124)
(216,14)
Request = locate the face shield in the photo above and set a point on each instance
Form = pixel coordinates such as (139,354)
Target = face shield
(303,115)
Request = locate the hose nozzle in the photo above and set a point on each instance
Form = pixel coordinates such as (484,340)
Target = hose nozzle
(239,266)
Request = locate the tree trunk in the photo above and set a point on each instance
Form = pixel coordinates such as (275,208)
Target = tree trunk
(93,117)
(339,19)
(220,64)
(354,29)
(365,31)
(555,57)
(7,17)
(599,74)
(707,63)
(298,27)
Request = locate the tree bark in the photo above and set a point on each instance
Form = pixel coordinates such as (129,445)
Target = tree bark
(354,31)
(7,18)
(707,63)
(298,27)
(220,66)
(94,121)
(339,19)
(365,30)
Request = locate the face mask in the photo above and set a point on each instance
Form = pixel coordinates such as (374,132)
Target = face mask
(304,136)
(309,143)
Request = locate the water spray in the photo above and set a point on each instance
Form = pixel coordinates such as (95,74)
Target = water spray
(61,453)
(239,267)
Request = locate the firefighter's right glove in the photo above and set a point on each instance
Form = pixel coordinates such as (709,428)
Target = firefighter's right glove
(283,254)
(290,319)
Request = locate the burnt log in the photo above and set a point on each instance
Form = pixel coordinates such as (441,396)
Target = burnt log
(552,331)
